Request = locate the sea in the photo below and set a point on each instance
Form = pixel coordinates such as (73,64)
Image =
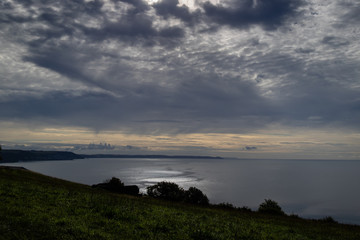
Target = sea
(311,189)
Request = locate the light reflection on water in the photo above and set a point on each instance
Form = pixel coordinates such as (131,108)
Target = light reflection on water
(145,177)
(155,176)
(308,188)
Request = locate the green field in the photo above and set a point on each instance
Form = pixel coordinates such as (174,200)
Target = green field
(34,206)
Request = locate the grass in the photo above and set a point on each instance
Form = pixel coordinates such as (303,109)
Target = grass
(34,206)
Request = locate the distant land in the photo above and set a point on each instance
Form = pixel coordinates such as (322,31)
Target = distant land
(9,156)
(144,156)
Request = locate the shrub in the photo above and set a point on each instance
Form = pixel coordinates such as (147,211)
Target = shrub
(225,205)
(114,182)
(270,207)
(166,190)
(328,219)
(172,192)
(245,209)
(115,185)
(196,196)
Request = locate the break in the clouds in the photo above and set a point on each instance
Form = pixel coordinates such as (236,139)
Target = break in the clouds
(181,66)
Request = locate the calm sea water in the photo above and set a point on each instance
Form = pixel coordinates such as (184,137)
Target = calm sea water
(311,189)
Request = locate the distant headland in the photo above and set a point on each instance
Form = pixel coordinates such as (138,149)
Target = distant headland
(9,156)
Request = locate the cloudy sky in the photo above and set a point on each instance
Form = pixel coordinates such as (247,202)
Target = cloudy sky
(242,78)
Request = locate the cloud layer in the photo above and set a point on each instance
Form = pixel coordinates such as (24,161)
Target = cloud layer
(167,67)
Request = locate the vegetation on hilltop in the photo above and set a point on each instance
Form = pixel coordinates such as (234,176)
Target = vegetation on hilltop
(172,192)
(270,207)
(34,206)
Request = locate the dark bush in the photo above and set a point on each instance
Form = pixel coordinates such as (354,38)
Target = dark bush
(328,219)
(114,182)
(225,205)
(270,207)
(196,196)
(115,185)
(166,190)
(172,192)
(245,209)
(132,190)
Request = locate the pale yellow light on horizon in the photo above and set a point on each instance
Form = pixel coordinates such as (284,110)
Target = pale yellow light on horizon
(276,142)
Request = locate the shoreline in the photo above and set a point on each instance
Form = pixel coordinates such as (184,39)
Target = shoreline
(13,156)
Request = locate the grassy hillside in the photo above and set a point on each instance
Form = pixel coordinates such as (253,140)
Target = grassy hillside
(34,206)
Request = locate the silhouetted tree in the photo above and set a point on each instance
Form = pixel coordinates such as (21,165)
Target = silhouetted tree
(115,185)
(0,153)
(196,196)
(166,190)
(114,182)
(271,207)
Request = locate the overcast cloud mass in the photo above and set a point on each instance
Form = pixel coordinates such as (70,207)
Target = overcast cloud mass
(277,78)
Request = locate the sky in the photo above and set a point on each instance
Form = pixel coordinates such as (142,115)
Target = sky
(232,78)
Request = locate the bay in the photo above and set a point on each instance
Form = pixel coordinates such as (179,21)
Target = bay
(308,188)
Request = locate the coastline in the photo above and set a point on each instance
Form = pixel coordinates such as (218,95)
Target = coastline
(13,156)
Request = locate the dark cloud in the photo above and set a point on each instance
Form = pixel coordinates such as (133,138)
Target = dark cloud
(187,109)
(136,28)
(250,148)
(71,7)
(70,19)
(73,63)
(352,15)
(334,41)
(61,60)
(304,50)
(13,18)
(221,98)
(171,8)
(313,96)
(270,14)
(139,5)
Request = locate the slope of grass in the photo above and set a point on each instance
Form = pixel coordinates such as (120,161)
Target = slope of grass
(34,206)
